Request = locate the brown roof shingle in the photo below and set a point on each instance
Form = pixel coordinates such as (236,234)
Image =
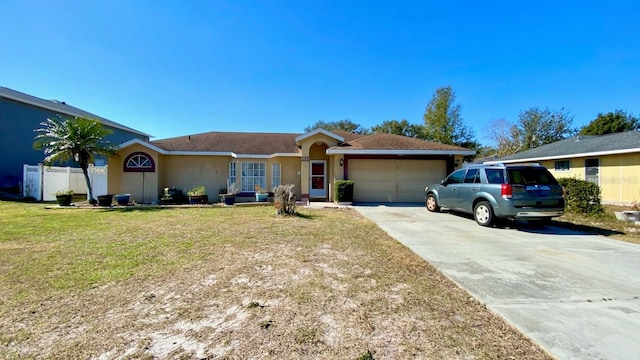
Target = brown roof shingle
(236,142)
(248,143)
(383,141)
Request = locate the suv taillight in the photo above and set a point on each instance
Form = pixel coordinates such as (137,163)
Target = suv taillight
(506,192)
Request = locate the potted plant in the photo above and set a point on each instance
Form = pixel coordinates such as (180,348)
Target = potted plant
(105,200)
(123,199)
(172,196)
(63,197)
(230,197)
(198,195)
(261,195)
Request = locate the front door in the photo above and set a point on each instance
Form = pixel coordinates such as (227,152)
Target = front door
(318,188)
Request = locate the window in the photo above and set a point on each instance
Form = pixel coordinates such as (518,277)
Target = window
(473,176)
(563,165)
(275,175)
(253,175)
(495,176)
(232,172)
(531,176)
(591,170)
(139,162)
(456,177)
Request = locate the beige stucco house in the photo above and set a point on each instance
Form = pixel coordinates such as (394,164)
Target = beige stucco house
(385,167)
(612,161)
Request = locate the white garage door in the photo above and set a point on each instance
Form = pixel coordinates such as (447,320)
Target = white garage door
(394,180)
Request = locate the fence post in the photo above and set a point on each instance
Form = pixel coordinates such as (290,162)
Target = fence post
(24,180)
(41,181)
(90,173)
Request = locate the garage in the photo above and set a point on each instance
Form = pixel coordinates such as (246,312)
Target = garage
(394,180)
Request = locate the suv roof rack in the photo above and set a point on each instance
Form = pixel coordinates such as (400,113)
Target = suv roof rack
(530,163)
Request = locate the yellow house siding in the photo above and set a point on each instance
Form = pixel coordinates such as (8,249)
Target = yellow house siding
(290,172)
(114,175)
(338,173)
(186,171)
(619,176)
(143,188)
(576,168)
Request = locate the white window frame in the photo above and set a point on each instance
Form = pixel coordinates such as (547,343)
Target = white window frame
(253,174)
(232,173)
(276,174)
(139,161)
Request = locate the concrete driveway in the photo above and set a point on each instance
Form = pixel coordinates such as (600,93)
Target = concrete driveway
(576,294)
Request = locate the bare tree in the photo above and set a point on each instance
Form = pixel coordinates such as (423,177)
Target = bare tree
(505,135)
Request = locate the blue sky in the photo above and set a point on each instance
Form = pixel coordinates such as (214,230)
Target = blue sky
(171,68)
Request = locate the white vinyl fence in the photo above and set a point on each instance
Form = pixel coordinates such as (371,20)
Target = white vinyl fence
(42,182)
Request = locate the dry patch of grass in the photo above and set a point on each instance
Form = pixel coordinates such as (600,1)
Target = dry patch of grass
(230,283)
(604,224)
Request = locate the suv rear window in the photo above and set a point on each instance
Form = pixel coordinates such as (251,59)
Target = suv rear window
(495,176)
(528,176)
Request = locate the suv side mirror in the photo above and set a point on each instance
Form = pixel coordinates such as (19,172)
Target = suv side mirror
(443,182)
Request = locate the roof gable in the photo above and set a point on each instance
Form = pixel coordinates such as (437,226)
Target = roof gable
(319,131)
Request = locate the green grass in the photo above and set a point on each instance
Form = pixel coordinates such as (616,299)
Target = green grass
(58,250)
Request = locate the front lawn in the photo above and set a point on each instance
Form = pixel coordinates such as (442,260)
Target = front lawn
(229,283)
(604,224)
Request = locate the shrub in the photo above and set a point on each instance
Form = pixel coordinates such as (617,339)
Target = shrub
(343,191)
(581,196)
(285,199)
(172,195)
(197,191)
(234,188)
(64,192)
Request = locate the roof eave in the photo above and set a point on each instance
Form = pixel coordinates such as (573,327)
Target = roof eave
(71,113)
(205,153)
(336,151)
(142,143)
(565,156)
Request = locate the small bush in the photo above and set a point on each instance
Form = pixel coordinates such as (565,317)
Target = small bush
(285,199)
(197,191)
(367,356)
(582,196)
(343,191)
(266,324)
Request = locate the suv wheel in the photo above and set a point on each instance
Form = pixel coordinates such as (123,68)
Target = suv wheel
(431,203)
(483,213)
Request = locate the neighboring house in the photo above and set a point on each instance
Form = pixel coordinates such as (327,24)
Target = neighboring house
(21,114)
(385,168)
(612,161)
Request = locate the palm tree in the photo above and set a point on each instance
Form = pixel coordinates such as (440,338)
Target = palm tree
(78,139)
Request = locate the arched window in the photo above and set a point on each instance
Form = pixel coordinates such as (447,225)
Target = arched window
(139,162)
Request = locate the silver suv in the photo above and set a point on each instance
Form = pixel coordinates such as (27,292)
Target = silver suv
(523,192)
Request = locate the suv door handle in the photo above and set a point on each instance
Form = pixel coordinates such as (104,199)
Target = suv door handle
(474,188)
